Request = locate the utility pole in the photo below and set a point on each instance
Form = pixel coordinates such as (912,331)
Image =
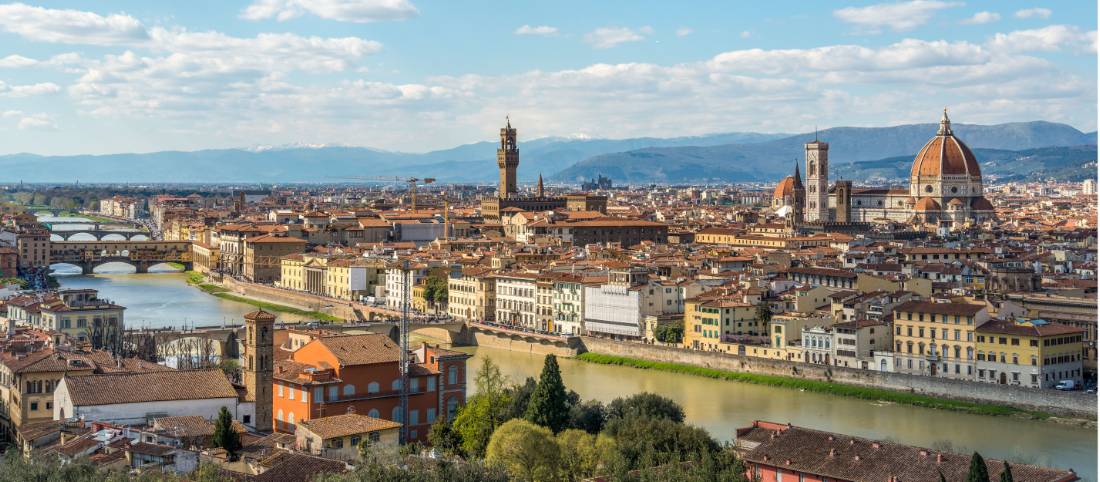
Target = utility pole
(404,333)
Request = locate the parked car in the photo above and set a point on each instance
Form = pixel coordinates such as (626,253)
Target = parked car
(1066,385)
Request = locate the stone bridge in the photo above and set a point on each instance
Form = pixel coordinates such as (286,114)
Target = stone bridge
(99,234)
(139,254)
(520,340)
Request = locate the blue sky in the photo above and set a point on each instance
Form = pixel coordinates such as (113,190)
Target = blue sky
(417,75)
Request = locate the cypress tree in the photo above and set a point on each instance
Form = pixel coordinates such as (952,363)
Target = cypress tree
(1006,475)
(224,435)
(549,405)
(978,471)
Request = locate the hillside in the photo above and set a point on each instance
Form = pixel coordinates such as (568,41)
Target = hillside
(467,163)
(1069,163)
(766,160)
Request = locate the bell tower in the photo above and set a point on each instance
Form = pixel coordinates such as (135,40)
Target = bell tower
(256,365)
(817,181)
(507,160)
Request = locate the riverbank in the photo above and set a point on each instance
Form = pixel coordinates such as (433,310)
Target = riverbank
(199,281)
(865,393)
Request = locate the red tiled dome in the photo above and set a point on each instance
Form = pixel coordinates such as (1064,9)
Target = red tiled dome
(945,155)
(981,204)
(784,188)
(927,204)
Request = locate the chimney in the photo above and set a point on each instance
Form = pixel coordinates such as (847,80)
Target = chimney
(939,458)
(876,445)
(923,453)
(832,452)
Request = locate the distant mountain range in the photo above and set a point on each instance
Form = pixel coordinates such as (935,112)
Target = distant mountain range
(762,161)
(1037,149)
(1065,163)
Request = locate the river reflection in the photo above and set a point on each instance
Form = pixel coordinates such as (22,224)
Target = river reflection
(723,406)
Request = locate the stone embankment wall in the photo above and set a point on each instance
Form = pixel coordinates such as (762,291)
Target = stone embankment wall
(1075,404)
(480,338)
(305,301)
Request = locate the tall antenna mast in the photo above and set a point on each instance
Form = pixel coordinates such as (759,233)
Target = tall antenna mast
(405,351)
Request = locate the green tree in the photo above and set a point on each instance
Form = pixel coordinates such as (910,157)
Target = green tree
(224,434)
(671,333)
(1006,474)
(582,453)
(443,437)
(646,404)
(527,451)
(521,396)
(978,471)
(549,404)
(484,412)
(589,416)
(763,312)
(646,442)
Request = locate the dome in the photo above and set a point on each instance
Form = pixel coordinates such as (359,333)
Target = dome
(927,204)
(955,202)
(945,154)
(981,204)
(784,188)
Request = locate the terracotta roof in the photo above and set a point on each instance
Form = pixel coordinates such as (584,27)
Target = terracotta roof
(1009,327)
(944,154)
(843,457)
(927,204)
(346,424)
(364,349)
(117,388)
(963,309)
(784,188)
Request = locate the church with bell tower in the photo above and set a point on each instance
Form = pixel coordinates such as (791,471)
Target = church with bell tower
(508,195)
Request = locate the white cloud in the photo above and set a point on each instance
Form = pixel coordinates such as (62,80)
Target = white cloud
(1046,39)
(356,11)
(16,61)
(607,37)
(982,18)
(684,31)
(28,89)
(37,121)
(746,34)
(70,26)
(536,30)
(1037,12)
(898,17)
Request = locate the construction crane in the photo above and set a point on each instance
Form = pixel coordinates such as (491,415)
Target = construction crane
(411,182)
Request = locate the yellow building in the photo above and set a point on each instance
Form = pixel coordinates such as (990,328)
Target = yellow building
(1033,353)
(340,436)
(937,339)
(472,296)
(204,257)
(27,385)
(263,255)
(710,320)
(292,272)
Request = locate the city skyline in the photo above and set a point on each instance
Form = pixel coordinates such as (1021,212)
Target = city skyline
(129,77)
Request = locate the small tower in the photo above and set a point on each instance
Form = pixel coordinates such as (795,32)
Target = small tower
(817,180)
(256,361)
(843,202)
(794,218)
(507,160)
(541,192)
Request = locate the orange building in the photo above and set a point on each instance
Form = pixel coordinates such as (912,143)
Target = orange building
(333,375)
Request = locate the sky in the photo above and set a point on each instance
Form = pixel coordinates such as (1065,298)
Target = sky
(418,75)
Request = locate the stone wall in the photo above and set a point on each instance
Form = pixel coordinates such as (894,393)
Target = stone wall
(1076,404)
(305,301)
(480,338)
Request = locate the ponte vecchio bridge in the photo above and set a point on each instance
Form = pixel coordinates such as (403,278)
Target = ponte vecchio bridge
(139,254)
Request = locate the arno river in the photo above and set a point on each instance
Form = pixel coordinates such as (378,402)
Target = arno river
(719,406)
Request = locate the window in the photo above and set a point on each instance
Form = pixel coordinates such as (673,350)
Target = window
(349,390)
(279,415)
(396,385)
(374,413)
(395,414)
(414,417)
(374,436)
(372,387)
(431,384)
(333,393)
(280,390)
(319,394)
(452,375)
(336,443)
(431,415)
(34,406)
(355,440)
(290,393)
(414,384)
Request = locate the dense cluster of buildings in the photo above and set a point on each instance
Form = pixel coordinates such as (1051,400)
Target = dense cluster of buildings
(948,277)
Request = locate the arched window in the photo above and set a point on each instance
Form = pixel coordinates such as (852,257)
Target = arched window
(290,418)
(928,188)
(969,353)
(373,387)
(396,385)
(349,390)
(373,413)
(279,415)
(395,415)
(882,365)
